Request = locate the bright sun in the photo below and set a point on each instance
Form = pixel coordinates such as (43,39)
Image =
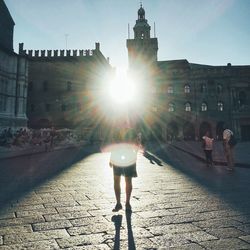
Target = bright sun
(122,89)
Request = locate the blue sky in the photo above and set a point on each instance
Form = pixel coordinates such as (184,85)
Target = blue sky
(213,32)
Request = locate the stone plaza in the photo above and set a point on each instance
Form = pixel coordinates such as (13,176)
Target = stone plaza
(177,203)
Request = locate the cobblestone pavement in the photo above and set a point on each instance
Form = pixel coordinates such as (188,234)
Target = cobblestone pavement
(177,203)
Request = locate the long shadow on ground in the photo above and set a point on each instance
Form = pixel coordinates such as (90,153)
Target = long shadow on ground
(232,187)
(21,174)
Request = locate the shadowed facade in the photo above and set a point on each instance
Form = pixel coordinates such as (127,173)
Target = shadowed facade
(186,99)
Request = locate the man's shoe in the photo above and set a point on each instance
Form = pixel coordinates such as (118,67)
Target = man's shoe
(117,207)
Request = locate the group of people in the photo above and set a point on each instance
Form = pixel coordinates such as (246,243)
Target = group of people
(44,137)
(228,146)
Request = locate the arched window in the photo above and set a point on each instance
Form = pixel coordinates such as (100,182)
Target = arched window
(170,89)
(219,88)
(186,88)
(220,106)
(188,107)
(203,106)
(171,107)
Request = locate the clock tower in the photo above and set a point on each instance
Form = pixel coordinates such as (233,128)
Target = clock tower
(142,50)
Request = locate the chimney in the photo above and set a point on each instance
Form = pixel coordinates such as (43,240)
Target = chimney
(97,46)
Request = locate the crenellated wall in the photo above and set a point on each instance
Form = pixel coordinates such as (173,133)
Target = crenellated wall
(57,53)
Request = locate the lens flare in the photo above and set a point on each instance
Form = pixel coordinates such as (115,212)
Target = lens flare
(122,89)
(122,154)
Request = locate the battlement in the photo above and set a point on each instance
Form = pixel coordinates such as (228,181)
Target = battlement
(57,53)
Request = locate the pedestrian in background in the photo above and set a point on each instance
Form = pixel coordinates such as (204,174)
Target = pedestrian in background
(228,149)
(208,148)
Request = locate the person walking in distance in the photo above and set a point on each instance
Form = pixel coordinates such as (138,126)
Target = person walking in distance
(228,149)
(208,148)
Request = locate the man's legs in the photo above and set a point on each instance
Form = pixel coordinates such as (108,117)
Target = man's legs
(117,188)
(129,187)
(229,156)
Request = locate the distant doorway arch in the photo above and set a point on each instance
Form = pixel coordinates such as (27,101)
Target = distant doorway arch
(156,133)
(172,131)
(188,131)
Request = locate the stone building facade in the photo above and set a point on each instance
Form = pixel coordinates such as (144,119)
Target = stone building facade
(13,76)
(63,86)
(187,99)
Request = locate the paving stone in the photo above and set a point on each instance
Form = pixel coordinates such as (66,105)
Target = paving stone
(152,213)
(52,225)
(173,228)
(37,245)
(7,215)
(192,246)
(242,218)
(217,223)
(246,238)
(244,227)
(226,244)
(68,215)
(93,239)
(101,212)
(48,189)
(28,207)
(168,241)
(74,208)
(23,220)
(15,229)
(35,236)
(88,220)
(90,228)
(143,243)
(90,247)
(28,201)
(179,239)
(80,197)
(223,233)
(61,204)
(136,232)
(28,213)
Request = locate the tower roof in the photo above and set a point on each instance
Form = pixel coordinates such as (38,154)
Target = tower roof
(141,13)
